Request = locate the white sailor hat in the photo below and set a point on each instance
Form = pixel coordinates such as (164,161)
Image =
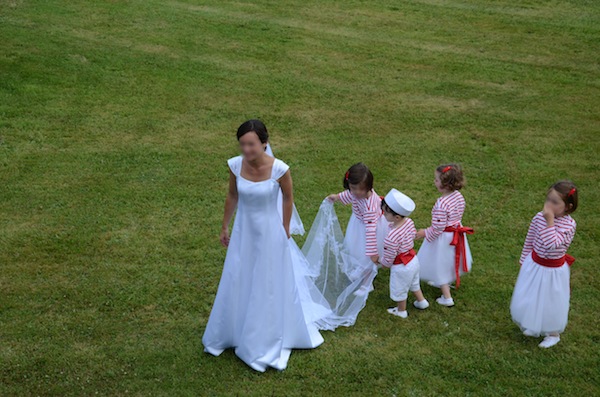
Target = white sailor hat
(399,202)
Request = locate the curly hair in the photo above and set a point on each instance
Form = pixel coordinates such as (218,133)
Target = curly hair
(451,176)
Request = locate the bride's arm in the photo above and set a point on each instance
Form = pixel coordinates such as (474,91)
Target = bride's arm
(230,204)
(288,200)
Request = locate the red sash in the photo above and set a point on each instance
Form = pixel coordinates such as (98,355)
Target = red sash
(405,257)
(552,262)
(460,256)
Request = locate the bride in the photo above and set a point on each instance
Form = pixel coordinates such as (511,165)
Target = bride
(266,304)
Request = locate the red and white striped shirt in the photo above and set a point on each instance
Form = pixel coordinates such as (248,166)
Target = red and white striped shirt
(549,242)
(399,240)
(368,211)
(447,211)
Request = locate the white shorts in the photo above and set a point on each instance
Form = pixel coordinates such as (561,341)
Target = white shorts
(404,278)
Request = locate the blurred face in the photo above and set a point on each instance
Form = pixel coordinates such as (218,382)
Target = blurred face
(251,146)
(556,203)
(389,216)
(438,182)
(359,191)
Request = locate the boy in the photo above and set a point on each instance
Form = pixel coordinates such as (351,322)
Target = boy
(399,253)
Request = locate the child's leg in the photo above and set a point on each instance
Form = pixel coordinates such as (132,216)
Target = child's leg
(420,303)
(419,295)
(446,298)
(402,305)
(446,291)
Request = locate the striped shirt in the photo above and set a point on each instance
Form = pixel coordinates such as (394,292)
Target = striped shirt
(549,242)
(368,212)
(447,211)
(399,240)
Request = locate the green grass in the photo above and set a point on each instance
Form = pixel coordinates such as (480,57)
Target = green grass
(117,117)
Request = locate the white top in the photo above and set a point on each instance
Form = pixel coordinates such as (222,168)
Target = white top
(279,168)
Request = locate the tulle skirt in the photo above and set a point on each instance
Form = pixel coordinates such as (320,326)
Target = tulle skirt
(540,301)
(437,260)
(355,241)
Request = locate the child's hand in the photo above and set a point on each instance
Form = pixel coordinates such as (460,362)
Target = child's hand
(420,234)
(375,258)
(333,198)
(548,214)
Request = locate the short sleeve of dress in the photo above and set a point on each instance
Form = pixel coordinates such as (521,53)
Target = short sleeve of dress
(279,169)
(235,165)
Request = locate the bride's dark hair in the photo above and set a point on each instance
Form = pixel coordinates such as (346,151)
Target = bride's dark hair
(256,126)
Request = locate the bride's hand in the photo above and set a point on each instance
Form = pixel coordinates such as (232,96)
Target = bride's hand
(224,237)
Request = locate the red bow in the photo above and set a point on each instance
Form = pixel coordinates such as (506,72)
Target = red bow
(446,169)
(460,256)
(405,257)
(347,174)
(571,192)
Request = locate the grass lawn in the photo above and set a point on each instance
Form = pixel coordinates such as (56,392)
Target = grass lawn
(116,121)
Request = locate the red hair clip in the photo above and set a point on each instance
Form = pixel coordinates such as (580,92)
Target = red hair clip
(571,192)
(446,169)
(347,174)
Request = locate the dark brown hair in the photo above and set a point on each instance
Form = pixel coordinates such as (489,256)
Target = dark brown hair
(386,208)
(568,192)
(358,174)
(451,176)
(255,126)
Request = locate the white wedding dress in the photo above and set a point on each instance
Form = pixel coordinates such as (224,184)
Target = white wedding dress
(296,225)
(266,303)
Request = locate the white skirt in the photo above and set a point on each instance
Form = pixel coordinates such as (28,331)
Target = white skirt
(437,260)
(540,301)
(355,243)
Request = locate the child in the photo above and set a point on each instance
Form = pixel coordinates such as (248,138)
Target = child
(399,253)
(366,228)
(445,253)
(540,301)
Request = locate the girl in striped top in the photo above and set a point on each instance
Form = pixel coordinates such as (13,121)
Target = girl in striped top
(540,301)
(366,228)
(445,253)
